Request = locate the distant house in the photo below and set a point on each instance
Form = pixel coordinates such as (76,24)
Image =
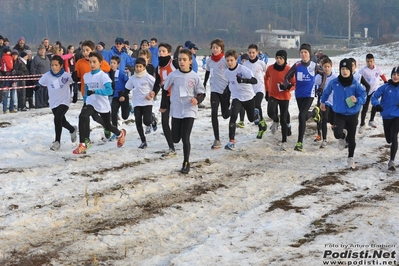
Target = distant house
(86,9)
(87,6)
(280,38)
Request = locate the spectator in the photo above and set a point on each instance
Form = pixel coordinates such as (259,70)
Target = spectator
(2,46)
(50,52)
(70,68)
(135,51)
(144,45)
(78,52)
(20,46)
(127,48)
(6,42)
(29,92)
(176,54)
(154,51)
(126,60)
(193,48)
(59,45)
(40,65)
(186,44)
(20,70)
(6,70)
(101,48)
(65,57)
(71,59)
(46,43)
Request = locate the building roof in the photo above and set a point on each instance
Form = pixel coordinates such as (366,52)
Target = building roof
(280,32)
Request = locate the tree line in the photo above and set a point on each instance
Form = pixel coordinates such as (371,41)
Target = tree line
(200,21)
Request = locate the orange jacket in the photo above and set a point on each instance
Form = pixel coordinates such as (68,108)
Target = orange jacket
(273,78)
(83,66)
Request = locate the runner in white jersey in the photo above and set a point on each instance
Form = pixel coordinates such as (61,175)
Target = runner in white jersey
(97,89)
(240,80)
(258,68)
(359,77)
(57,82)
(186,92)
(141,83)
(372,74)
(328,114)
(220,93)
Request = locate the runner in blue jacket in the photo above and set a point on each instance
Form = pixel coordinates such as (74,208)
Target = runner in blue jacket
(348,98)
(389,108)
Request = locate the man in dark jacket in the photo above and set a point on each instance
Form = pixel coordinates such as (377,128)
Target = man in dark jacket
(20,69)
(21,46)
(2,46)
(40,65)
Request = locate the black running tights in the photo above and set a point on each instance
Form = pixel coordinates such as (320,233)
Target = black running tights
(60,121)
(181,130)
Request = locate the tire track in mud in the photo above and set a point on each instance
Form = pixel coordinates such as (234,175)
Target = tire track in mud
(152,205)
(130,212)
(319,187)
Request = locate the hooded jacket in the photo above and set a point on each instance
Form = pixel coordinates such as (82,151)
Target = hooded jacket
(389,94)
(125,59)
(342,93)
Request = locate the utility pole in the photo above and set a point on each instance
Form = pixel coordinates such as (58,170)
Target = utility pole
(163,12)
(307,12)
(349,23)
(195,13)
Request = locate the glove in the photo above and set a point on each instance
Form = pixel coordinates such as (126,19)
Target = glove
(75,93)
(241,80)
(267,96)
(90,92)
(37,87)
(319,91)
(13,72)
(284,88)
(379,108)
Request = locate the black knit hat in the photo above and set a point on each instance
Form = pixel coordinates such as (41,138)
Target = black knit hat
(346,62)
(282,53)
(395,70)
(102,44)
(244,57)
(144,41)
(307,47)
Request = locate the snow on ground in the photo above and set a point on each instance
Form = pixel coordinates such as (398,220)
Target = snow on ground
(253,206)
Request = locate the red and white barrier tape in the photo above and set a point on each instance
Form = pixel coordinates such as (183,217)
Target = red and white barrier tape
(16,88)
(24,76)
(19,79)
(22,87)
